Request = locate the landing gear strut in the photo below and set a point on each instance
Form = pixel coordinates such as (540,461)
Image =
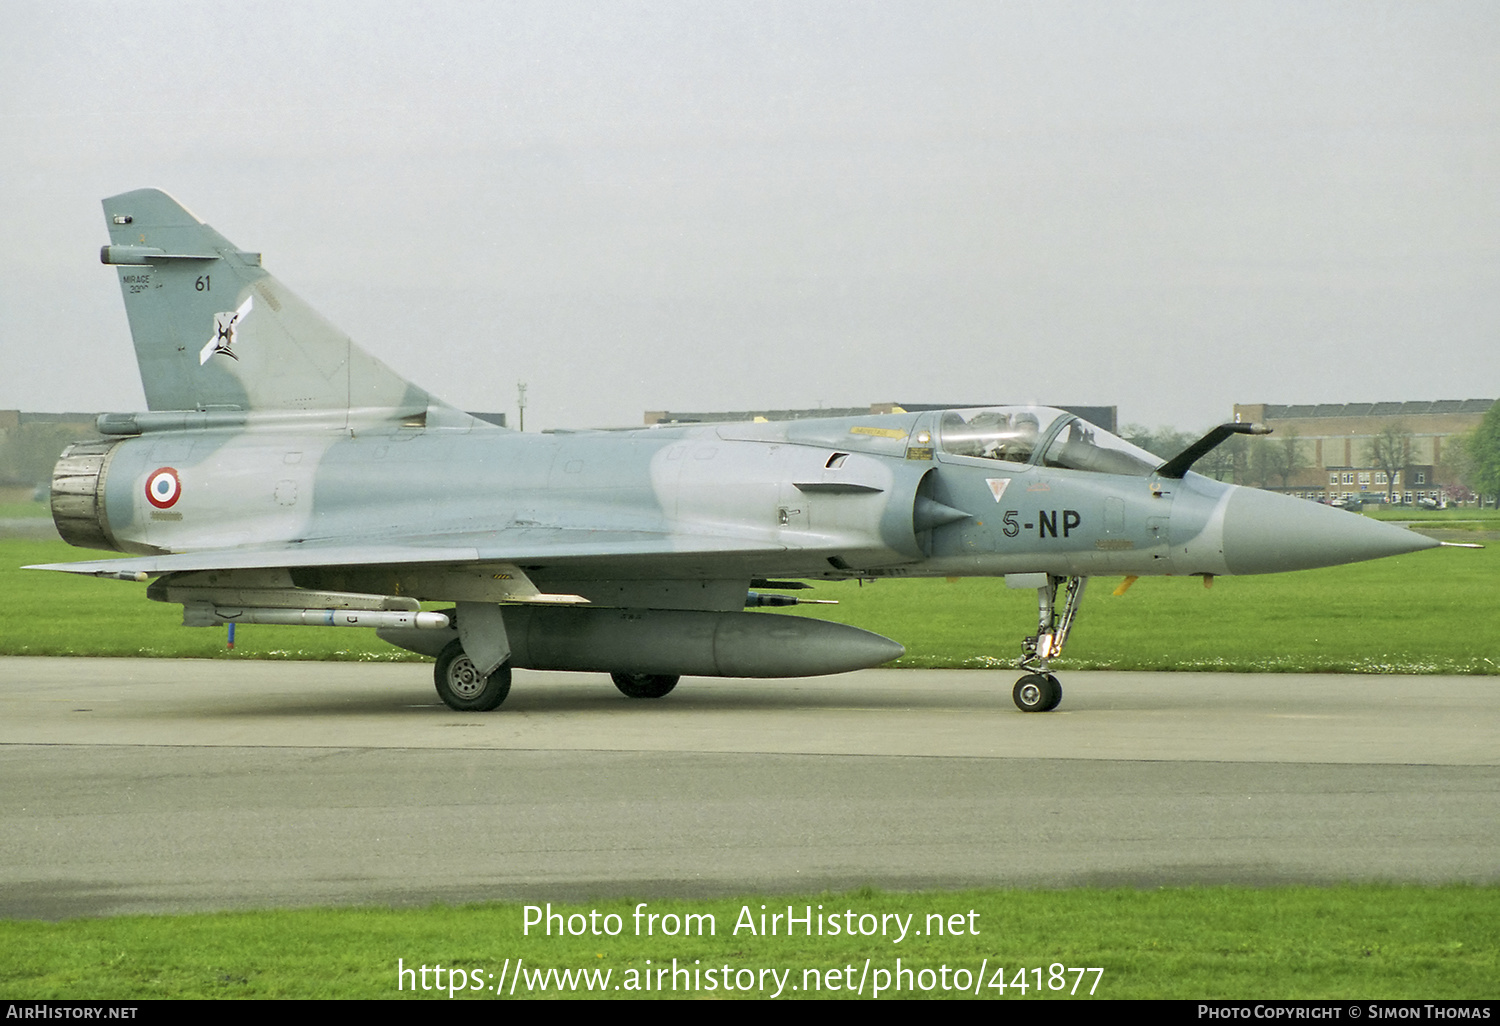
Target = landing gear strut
(1039,691)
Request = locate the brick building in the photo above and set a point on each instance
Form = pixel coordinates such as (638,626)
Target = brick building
(1104,416)
(1335,446)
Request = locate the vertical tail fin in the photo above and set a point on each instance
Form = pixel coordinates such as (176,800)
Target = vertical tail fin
(214,331)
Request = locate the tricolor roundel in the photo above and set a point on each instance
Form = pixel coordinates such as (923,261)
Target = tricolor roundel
(163,488)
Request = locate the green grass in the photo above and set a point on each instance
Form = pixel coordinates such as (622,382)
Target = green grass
(1365,942)
(59,614)
(1466,518)
(25,511)
(1428,612)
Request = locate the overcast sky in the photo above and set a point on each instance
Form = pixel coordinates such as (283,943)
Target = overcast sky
(1169,207)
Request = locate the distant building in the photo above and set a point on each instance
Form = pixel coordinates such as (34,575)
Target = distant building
(12,420)
(1102,416)
(30,444)
(740,416)
(1335,441)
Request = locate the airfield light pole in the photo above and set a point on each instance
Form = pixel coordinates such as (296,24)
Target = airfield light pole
(521,402)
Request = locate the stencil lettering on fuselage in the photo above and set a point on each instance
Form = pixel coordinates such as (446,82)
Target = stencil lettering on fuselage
(1046,523)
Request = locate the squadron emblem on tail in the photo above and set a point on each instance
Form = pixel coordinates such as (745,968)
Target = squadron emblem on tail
(226,325)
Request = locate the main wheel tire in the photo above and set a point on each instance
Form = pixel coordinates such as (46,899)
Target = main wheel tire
(644,685)
(1037,692)
(461,687)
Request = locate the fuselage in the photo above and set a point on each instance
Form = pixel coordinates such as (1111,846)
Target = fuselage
(956,493)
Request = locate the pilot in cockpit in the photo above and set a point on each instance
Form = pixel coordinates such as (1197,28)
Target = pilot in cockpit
(1021,438)
(988,431)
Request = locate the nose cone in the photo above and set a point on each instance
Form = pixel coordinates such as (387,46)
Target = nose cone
(1266,533)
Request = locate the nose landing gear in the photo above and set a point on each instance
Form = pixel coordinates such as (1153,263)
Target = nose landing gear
(1039,690)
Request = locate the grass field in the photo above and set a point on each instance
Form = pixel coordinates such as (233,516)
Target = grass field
(1365,942)
(1428,612)
(1465,518)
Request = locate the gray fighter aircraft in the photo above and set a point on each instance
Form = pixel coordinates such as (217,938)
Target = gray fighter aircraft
(281,475)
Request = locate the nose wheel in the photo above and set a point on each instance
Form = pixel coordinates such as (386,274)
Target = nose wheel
(1039,691)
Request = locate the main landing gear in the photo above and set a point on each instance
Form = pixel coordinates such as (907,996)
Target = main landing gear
(1039,691)
(460,685)
(644,685)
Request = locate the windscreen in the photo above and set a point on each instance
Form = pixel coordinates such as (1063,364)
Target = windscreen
(1082,446)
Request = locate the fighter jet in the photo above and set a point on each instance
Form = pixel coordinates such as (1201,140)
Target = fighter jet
(282,475)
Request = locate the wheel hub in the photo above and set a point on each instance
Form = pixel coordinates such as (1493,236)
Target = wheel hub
(464,679)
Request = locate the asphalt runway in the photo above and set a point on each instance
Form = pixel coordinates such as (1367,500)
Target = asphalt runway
(172,785)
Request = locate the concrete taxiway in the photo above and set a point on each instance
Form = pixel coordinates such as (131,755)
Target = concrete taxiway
(146,785)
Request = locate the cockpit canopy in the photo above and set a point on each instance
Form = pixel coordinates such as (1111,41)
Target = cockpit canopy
(1041,436)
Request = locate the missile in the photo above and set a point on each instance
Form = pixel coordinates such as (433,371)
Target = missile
(202,614)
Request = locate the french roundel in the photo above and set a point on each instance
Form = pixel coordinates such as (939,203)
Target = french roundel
(163,488)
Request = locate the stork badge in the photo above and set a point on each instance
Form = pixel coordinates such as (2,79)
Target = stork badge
(226,327)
